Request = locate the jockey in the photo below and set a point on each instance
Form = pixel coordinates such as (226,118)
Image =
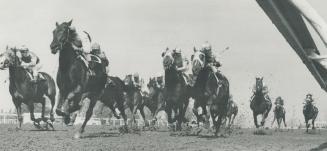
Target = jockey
(182,64)
(136,80)
(29,61)
(309,99)
(211,59)
(159,81)
(96,50)
(279,101)
(265,91)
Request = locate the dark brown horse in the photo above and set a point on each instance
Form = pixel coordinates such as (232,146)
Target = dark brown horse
(23,90)
(279,114)
(176,91)
(155,100)
(260,104)
(231,113)
(113,97)
(310,112)
(134,97)
(217,88)
(200,74)
(73,76)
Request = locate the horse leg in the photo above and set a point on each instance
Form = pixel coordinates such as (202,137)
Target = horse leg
(123,114)
(313,124)
(143,115)
(307,125)
(284,121)
(88,115)
(31,108)
(52,101)
(112,108)
(255,120)
(272,123)
(180,118)
(218,124)
(232,122)
(264,116)
(18,104)
(43,109)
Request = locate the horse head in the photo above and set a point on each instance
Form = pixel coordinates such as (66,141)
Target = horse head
(9,58)
(198,61)
(63,33)
(171,58)
(258,84)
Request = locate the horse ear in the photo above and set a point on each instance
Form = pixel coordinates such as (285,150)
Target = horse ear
(70,22)
(57,24)
(194,49)
(162,54)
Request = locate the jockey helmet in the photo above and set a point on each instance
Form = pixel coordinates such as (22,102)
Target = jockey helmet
(136,74)
(95,46)
(178,50)
(309,94)
(206,46)
(23,48)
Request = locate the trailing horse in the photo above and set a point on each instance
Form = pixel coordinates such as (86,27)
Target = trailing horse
(279,114)
(113,97)
(260,103)
(232,111)
(23,90)
(134,97)
(176,93)
(310,112)
(155,99)
(73,76)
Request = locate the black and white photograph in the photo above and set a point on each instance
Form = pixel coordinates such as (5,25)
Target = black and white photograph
(157,75)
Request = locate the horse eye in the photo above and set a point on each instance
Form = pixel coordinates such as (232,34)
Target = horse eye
(192,57)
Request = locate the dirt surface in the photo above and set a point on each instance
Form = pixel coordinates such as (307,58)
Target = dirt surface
(105,138)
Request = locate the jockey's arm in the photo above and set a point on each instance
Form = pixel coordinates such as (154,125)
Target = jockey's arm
(184,68)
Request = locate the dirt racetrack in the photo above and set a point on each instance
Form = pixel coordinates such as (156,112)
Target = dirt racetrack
(104,138)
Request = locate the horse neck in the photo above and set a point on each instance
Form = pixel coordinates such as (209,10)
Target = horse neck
(171,77)
(66,57)
(202,78)
(16,75)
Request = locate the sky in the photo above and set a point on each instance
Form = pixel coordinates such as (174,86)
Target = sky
(134,33)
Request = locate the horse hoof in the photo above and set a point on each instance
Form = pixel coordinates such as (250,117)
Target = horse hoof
(77,135)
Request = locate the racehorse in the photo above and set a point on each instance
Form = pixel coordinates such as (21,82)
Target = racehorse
(200,74)
(310,112)
(23,90)
(155,100)
(231,112)
(134,97)
(113,97)
(279,114)
(260,104)
(176,93)
(74,79)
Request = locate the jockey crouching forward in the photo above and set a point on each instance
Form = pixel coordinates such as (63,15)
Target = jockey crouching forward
(308,99)
(182,65)
(96,50)
(210,59)
(265,92)
(279,102)
(29,61)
